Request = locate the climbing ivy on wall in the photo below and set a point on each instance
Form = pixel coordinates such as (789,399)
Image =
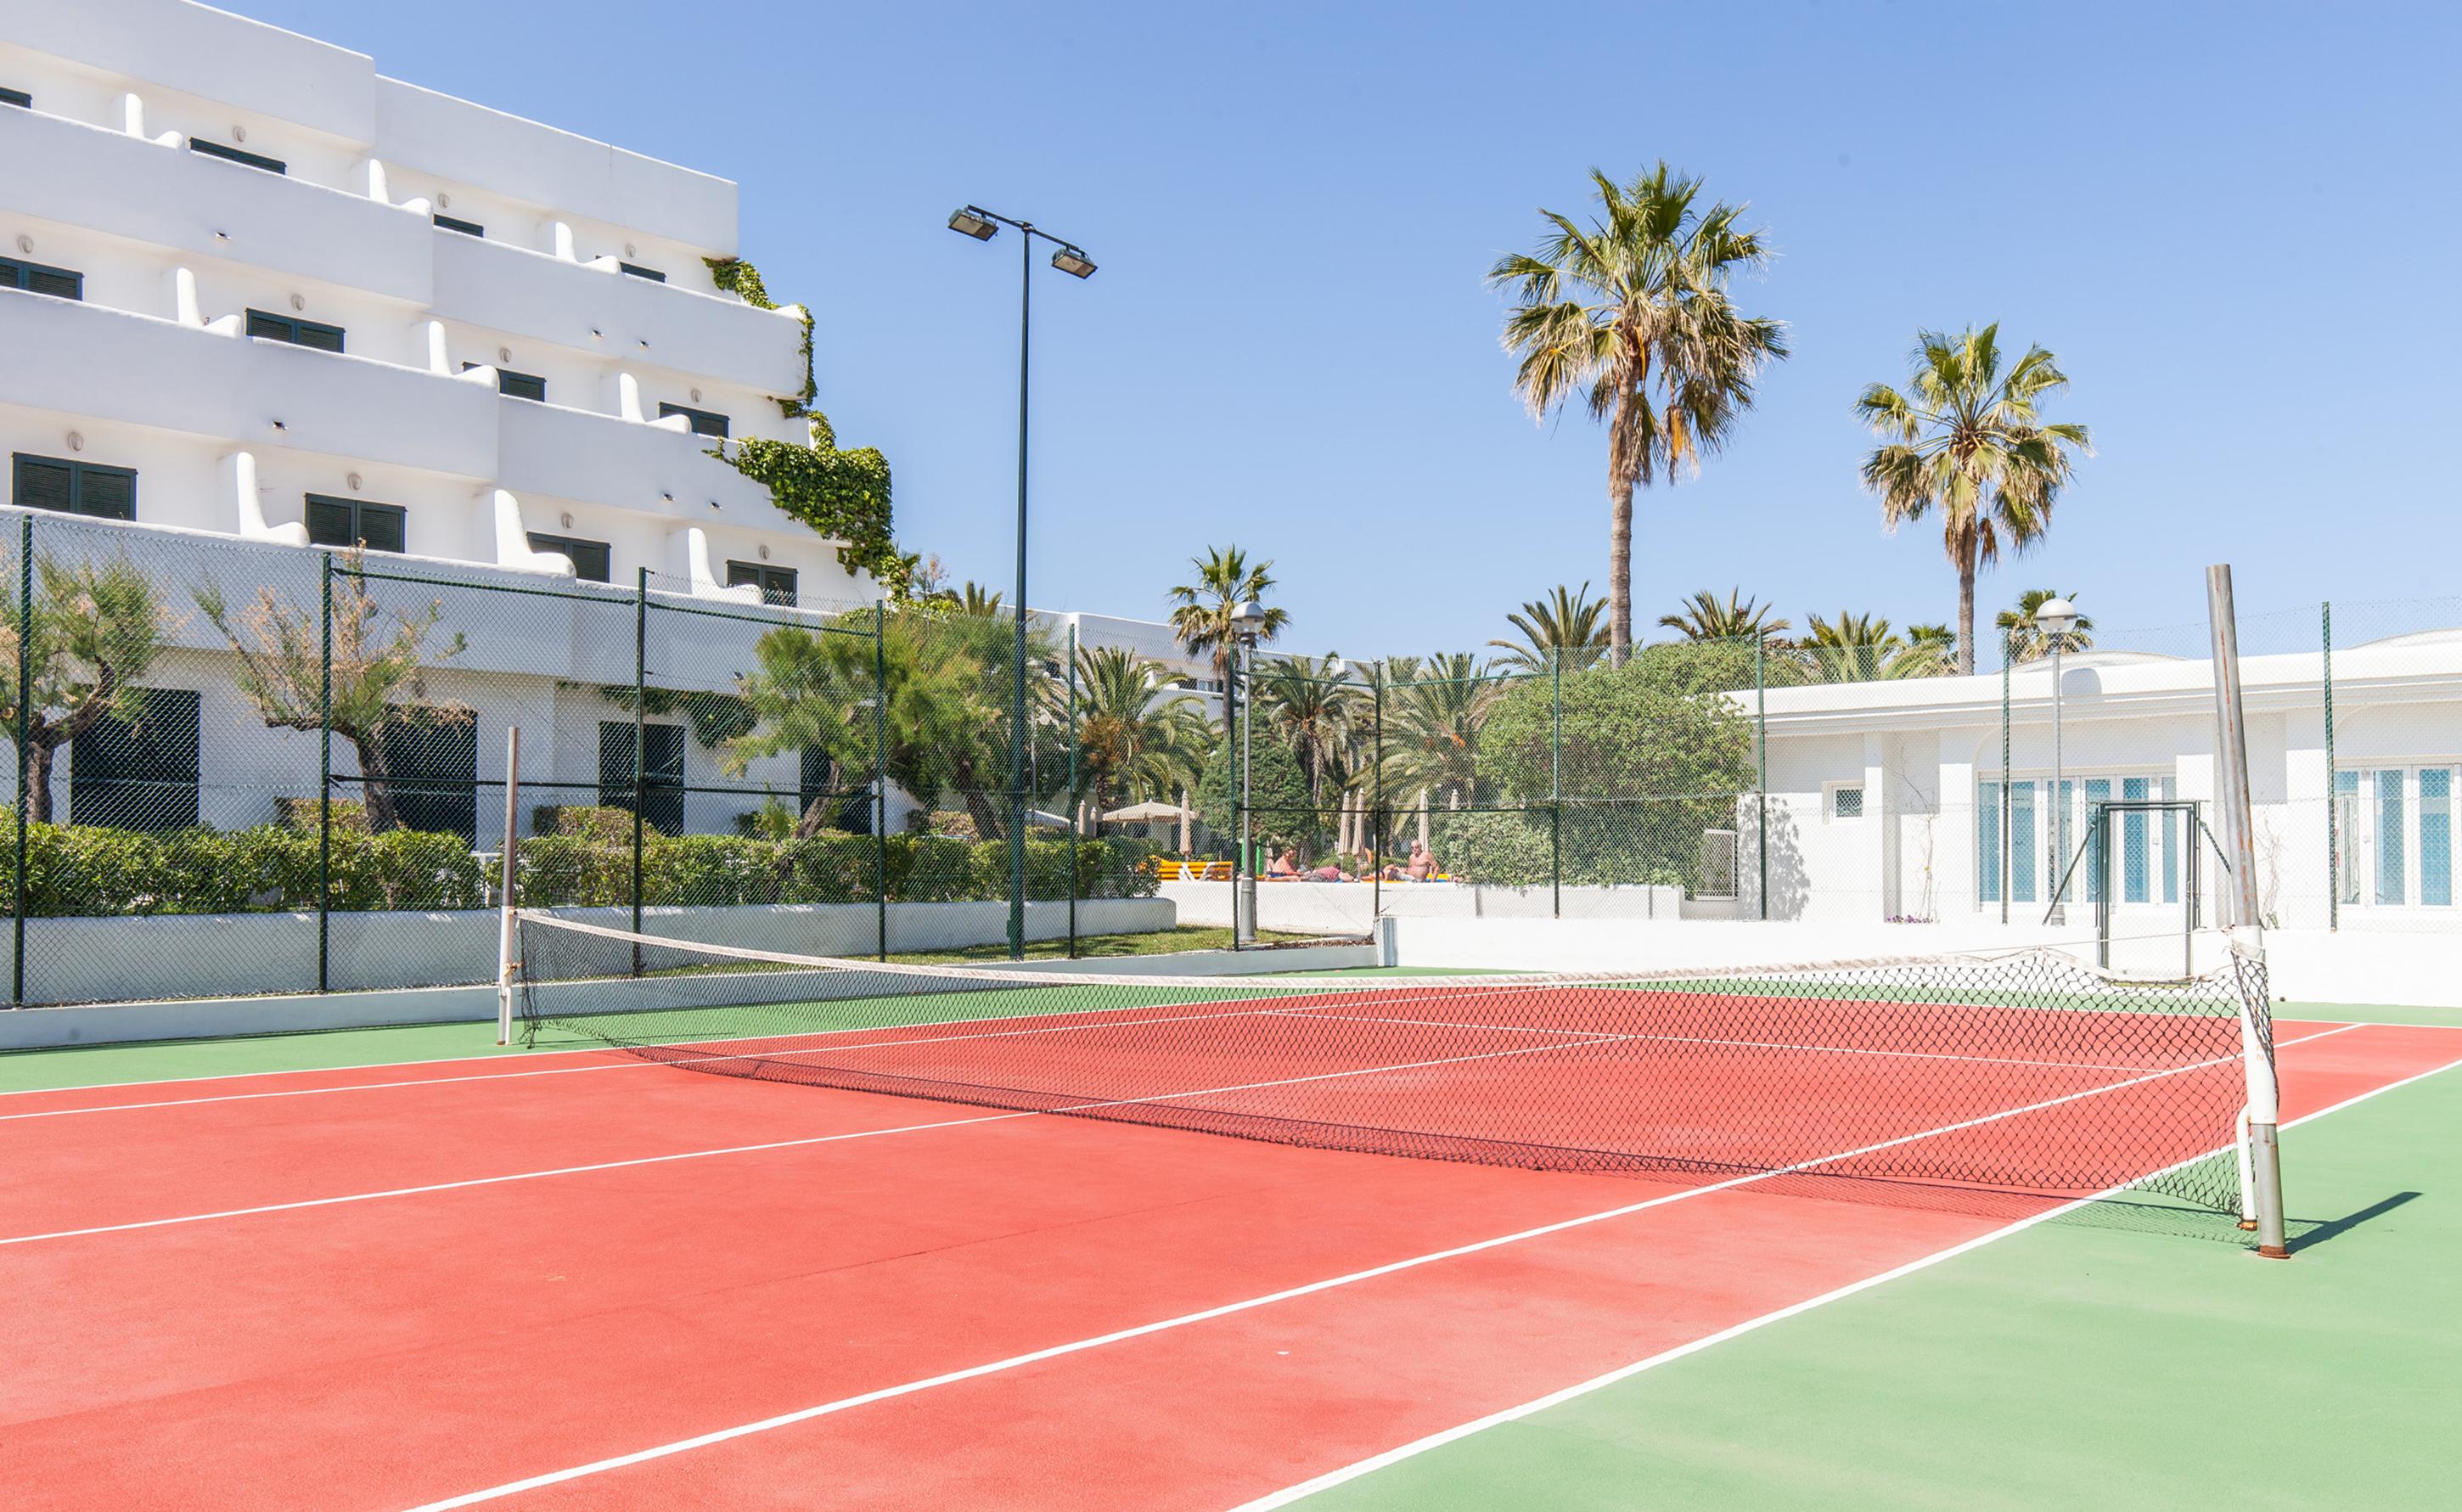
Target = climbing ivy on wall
(842,494)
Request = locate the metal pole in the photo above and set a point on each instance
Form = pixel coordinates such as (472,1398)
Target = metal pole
(1760,759)
(508,964)
(1556,784)
(2008,779)
(325,776)
(2248,931)
(1376,796)
(1018,731)
(881,780)
(2333,794)
(1073,816)
(2058,912)
(25,735)
(1243,906)
(640,738)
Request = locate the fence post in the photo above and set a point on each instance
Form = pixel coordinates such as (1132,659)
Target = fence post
(325,772)
(2008,841)
(1760,765)
(1376,795)
(880,776)
(1074,818)
(25,733)
(1556,783)
(2333,795)
(640,700)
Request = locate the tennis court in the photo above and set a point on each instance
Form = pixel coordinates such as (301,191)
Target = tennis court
(983,1241)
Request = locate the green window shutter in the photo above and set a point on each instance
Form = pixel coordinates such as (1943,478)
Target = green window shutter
(704,421)
(246,159)
(432,766)
(272,328)
(385,527)
(57,282)
(39,482)
(448,222)
(591,561)
(330,523)
(17,98)
(138,772)
(636,271)
(107,493)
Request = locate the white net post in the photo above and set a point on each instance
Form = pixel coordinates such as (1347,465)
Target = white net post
(506,965)
(2263,1156)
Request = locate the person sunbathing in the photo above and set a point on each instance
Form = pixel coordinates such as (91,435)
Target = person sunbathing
(1285,864)
(1423,863)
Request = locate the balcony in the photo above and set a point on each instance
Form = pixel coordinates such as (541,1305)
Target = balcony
(122,185)
(629,321)
(546,450)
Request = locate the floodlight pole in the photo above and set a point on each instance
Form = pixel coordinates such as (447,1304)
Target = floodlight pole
(983,225)
(2263,1155)
(2059,912)
(509,964)
(1244,903)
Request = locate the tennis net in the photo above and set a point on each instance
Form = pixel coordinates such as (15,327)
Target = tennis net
(1935,1079)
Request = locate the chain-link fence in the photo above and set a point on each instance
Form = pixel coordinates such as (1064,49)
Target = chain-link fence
(248,768)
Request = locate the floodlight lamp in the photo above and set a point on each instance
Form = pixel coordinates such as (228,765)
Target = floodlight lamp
(973,223)
(1071,261)
(1248,618)
(2056,616)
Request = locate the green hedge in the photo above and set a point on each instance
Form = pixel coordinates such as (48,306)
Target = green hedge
(84,871)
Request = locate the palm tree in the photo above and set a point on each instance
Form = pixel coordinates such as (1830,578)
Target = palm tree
(1138,736)
(1931,652)
(1431,727)
(1852,648)
(2026,640)
(1704,618)
(1565,625)
(1309,704)
(1631,312)
(1203,617)
(1969,439)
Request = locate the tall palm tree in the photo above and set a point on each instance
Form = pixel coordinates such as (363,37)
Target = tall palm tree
(1568,624)
(2026,640)
(1630,310)
(1969,439)
(1704,618)
(1138,736)
(1431,727)
(1309,704)
(1202,617)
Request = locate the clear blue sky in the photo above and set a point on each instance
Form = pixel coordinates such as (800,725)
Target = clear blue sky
(2238,226)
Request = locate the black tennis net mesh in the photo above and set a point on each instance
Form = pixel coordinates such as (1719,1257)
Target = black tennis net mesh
(1947,1080)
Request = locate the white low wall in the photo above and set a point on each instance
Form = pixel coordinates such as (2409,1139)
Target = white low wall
(1351,908)
(232,954)
(2349,968)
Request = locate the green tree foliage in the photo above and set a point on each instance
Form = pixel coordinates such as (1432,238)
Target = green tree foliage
(1433,716)
(1969,441)
(1629,311)
(1137,738)
(1312,709)
(2027,641)
(1284,811)
(378,670)
(1568,626)
(95,630)
(1705,618)
(1201,613)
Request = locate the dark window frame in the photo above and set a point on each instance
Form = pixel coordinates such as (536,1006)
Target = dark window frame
(114,777)
(454,222)
(515,385)
(359,509)
(18,273)
(777,584)
(78,473)
(541,541)
(662,785)
(702,421)
(418,744)
(246,159)
(636,271)
(17,98)
(294,330)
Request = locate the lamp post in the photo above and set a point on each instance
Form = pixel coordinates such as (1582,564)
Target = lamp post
(983,226)
(2056,618)
(1247,621)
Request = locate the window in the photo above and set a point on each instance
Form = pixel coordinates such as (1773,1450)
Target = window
(138,772)
(447,222)
(704,422)
(75,487)
(246,159)
(1846,801)
(777,584)
(589,558)
(2044,833)
(516,385)
(431,760)
(636,271)
(17,98)
(349,522)
(662,786)
(815,784)
(36,279)
(298,333)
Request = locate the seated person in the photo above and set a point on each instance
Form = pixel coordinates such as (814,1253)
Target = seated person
(1423,863)
(1286,864)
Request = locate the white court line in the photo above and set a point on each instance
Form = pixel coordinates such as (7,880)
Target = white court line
(1032,1027)
(749,1149)
(1437,1440)
(1227,1309)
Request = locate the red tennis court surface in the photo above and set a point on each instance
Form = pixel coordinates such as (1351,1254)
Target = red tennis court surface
(402,1286)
